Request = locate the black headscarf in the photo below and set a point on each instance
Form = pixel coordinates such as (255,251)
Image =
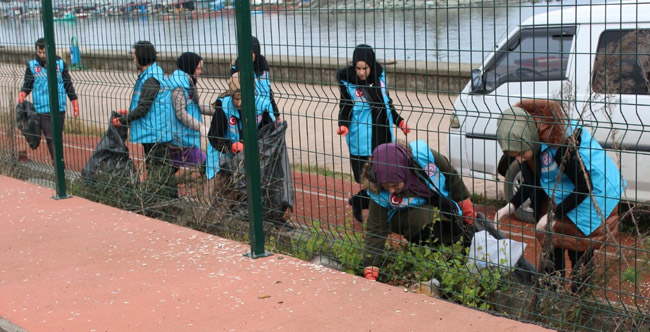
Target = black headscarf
(372,87)
(259,65)
(366,54)
(371,84)
(188,62)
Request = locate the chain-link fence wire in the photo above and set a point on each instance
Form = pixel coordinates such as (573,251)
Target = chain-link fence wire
(590,58)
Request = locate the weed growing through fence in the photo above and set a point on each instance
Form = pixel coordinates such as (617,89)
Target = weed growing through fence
(447,264)
(404,265)
(320,170)
(77,126)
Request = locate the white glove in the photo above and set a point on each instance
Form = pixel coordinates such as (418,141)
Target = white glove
(504,212)
(541,224)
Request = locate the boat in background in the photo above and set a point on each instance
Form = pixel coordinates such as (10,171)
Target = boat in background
(69,16)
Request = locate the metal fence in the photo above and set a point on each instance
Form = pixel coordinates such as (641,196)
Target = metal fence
(538,105)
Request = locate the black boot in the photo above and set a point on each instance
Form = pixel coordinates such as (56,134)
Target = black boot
(359,202)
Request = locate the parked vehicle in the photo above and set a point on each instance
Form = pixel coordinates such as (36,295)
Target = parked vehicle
(595,59)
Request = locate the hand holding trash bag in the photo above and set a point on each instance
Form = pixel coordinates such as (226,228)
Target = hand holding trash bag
(21,97)
(343,130)
(237,147)
(119,118)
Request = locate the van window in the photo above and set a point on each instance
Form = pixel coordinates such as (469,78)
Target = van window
(622,63)
(539,54)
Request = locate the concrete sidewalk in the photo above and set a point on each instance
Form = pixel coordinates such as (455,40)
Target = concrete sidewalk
(74,265)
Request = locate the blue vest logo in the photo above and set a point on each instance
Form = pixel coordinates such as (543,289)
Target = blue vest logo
(358,93)
(546,159)
(548,162)
(395,201)
(232,121)
(38,69)
(431,169)
(399,202)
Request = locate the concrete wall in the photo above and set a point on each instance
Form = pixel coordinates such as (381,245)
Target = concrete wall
(423,76)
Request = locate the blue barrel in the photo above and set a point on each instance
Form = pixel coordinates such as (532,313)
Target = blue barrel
(75,54)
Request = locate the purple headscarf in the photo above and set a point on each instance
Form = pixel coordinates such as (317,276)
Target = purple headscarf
(391,163)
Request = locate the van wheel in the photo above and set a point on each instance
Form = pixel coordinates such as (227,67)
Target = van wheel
(513,181)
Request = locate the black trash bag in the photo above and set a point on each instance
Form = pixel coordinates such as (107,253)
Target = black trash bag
(524,272)
(111,156)
(27,122)
(275,174)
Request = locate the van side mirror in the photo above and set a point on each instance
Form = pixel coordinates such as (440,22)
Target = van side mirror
(477,81)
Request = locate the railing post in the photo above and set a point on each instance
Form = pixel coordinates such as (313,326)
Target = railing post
(55,115)
(251,149)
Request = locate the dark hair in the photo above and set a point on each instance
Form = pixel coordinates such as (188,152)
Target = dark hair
(40,43)
(145,53)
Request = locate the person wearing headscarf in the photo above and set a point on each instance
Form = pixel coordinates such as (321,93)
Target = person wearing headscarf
(188,128)
(560,160)
(225,138)
(264,101)
(366,114)
(226,130)
(406,183)
(150,115)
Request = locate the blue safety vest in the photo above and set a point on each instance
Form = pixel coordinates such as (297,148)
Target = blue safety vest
(436,182)
(155,127)
(182,135)
(359,138)
(234,128)
(605,178)
(262,95)
(40,91)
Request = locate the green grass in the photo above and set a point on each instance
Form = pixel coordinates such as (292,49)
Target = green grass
(77,126)
(316,169)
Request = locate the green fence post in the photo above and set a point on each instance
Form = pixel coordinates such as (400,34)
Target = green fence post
(52,86)
(251,149)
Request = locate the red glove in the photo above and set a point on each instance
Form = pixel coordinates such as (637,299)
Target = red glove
(371,272)
(237,147)
(75,107)
(343,130)
(405,129)
(116,120)
(468,211)
(21,97)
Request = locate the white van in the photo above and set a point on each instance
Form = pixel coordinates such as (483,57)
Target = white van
(595,58)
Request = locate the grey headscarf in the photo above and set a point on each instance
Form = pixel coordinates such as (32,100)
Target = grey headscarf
(516,131)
